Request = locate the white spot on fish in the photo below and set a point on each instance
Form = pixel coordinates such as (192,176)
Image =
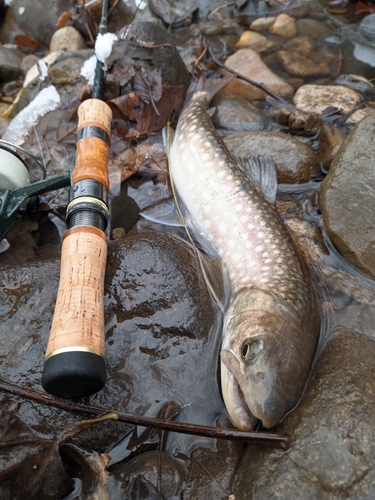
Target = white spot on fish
(238,208)
(258,248)
(260,235)
(244,218)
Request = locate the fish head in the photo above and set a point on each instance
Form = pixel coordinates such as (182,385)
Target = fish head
(265,359)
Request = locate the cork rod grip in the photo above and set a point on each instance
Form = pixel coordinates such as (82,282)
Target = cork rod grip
(78,322)
(92,152)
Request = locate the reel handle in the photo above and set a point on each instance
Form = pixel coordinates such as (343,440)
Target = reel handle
(74,363)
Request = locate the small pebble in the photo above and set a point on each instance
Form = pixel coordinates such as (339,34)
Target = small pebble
(255,41)
(299,122)
(67,38)
(263,23)
(284,26)
(317,98)
(117,233)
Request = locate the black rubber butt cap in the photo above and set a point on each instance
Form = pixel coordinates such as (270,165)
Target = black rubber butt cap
(74,374)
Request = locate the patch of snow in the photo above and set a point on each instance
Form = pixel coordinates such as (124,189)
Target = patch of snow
(139,4)
(19,128)
(103,45)
(4,245)
(88,69)
(43,69)
(8,2)
(21,10)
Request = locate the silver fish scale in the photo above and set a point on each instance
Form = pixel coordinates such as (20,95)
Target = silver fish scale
(245,229)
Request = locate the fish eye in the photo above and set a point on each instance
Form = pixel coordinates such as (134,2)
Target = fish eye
(251,348)
(245,350)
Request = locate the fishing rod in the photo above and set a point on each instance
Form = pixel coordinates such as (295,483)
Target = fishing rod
(74,362)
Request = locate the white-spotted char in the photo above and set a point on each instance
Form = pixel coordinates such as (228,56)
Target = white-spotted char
(271,324)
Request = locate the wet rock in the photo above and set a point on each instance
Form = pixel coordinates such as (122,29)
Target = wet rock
(358,115)
(248,63)
(316,98)
(150,468)
(299,122)
(367,27)
(68,39)
(10,61)
(36,20)
(158,314)
(311,28)
(205,463)
(262,23)
(301,65)
(299,44)
(330,140)
(238,115)
(284,26)
(66,71)
(255,41)
(28,62)
(295,162)
(332,431)
(347,199)
(355,82)
(295,82)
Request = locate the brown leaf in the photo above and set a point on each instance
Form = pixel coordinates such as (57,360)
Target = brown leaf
(148,85)
(30,463)
(132,117)
(172,11)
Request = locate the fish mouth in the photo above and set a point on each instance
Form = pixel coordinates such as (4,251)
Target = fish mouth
(237,408)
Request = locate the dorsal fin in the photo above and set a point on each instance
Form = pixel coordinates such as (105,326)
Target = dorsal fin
(261,171)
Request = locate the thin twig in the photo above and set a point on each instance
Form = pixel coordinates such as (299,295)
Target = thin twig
(214,12)
(90,34)
(185,428)
(252,82)
(66,134)
(201,56)
(49,153)
(112,8)
(339,64)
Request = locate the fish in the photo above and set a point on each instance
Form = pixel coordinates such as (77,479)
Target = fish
(270,308)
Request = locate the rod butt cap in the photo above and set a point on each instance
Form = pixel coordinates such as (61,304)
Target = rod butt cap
(74,374)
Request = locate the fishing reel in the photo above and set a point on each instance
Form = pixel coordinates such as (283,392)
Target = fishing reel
(15,185)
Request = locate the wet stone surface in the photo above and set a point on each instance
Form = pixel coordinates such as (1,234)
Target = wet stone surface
(332,429)
(295,162)
(350,179)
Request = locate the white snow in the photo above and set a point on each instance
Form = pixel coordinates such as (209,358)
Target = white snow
(139,4)
(19,128)
(21,10)
(43,69)
(103,45)
(8,2)
(88,69)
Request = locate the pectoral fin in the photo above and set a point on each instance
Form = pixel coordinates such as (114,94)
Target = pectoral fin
(164,212)
(216,277)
